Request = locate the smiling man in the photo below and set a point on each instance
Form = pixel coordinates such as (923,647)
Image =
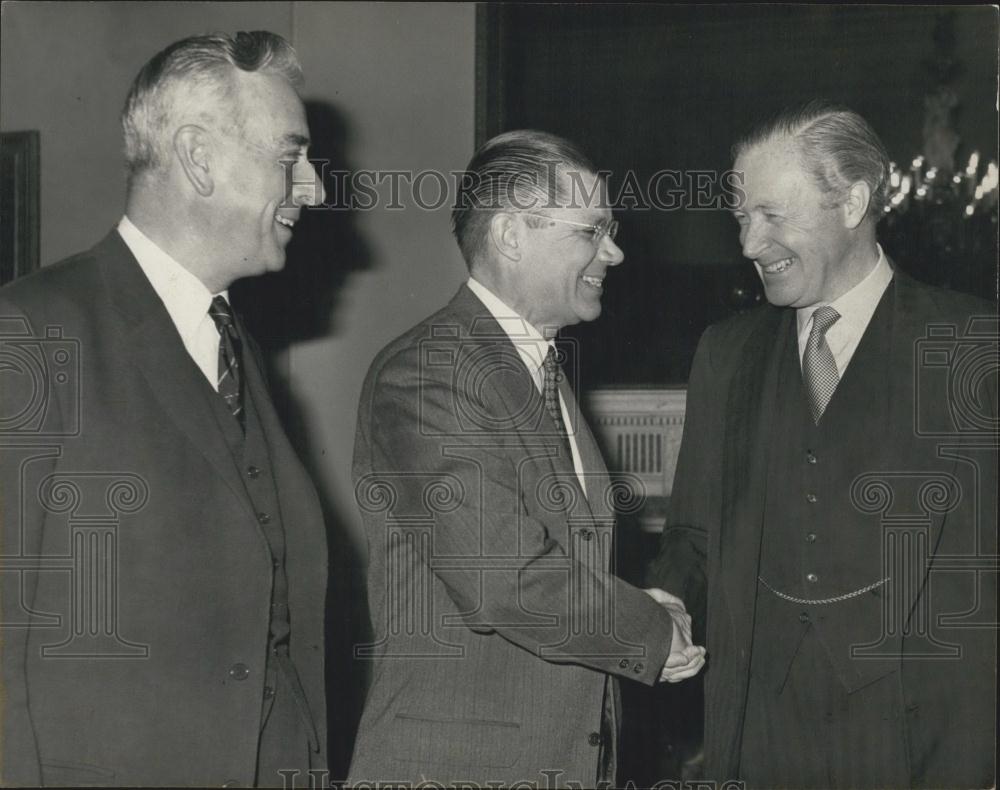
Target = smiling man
(499,625)
(842,654)
(186,645)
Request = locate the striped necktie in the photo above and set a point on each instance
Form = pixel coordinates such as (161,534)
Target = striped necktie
(818,365)
(550,391)
(230,369)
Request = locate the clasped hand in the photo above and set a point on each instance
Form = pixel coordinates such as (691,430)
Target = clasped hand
(685,659)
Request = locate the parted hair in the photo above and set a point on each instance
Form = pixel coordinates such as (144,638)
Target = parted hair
(517,170)
(836,146)
(192,81)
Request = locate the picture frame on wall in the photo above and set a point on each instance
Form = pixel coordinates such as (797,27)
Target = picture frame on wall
(19,217)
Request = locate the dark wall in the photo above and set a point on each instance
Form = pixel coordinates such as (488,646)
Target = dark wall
(644,88)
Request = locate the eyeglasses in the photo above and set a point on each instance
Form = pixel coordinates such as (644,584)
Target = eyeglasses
(606,227)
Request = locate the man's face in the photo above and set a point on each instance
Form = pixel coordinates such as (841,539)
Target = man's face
(259,189)
(798,246)
(563,270)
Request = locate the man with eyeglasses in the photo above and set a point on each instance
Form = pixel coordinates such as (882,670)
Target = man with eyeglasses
(500,630)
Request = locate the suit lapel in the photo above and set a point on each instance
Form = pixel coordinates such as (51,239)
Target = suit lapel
(516,391)
(159,354)
(747,451)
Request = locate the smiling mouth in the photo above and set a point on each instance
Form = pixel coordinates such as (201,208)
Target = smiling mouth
(597,283)
(288,223)
(776,267)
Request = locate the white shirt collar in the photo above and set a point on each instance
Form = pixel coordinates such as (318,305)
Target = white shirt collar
(857,306)
(185,296)
(528,341)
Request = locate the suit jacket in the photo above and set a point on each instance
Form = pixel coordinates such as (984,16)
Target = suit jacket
(496,618)
(934,431)
(136,579)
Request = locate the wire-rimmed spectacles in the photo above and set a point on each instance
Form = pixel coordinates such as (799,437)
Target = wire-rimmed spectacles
(606,227)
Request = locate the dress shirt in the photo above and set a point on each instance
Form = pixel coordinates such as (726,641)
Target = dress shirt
(185,296)
(856,308)
(532,348)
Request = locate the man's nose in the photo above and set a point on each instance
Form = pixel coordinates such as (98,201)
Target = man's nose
(307,185)
(753,240)
(611,252)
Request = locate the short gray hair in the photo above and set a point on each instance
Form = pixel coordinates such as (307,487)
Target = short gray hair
(512,171)
(836,146)
(193,79)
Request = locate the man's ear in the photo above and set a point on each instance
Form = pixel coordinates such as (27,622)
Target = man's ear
(191,147)
(506,235)
(859,197)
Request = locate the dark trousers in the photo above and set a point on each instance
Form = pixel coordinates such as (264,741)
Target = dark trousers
(811,733)
(283,757)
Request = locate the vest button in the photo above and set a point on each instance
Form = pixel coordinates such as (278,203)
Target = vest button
(586,534)
(594,739)
(811,537)
(812,499)
(253,472)
(264,518)
(812,578)
(810,458)
(639,666)
(623,663)
(239,671)
(268,692)
(804,617)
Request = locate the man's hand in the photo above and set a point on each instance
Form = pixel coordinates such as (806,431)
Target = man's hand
(685,659)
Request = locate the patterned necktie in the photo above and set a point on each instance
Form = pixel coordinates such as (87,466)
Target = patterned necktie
(818,365)
(550,391)
(230,371)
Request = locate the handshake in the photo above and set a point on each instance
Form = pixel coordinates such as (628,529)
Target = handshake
(685,659)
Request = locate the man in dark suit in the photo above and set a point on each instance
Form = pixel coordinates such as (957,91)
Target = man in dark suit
(837,485)
(164,555)
(499,626)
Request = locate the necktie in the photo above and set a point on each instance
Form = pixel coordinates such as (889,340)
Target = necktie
(550,391)
(818,364)
(230,371)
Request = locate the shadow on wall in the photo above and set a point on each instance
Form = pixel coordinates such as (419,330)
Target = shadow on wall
(297,304)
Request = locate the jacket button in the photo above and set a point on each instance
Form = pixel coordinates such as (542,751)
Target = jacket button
(586,534)
(594,739)
(623,663)
(268,692)
(810,458)
(812,578)
(264,518)
(812,499)
(253,472)
(239,671)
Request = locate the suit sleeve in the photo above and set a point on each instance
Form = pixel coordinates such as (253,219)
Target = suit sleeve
(695,501)
(21,521)
(503,568)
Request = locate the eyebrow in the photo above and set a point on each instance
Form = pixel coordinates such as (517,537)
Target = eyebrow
(293,141)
